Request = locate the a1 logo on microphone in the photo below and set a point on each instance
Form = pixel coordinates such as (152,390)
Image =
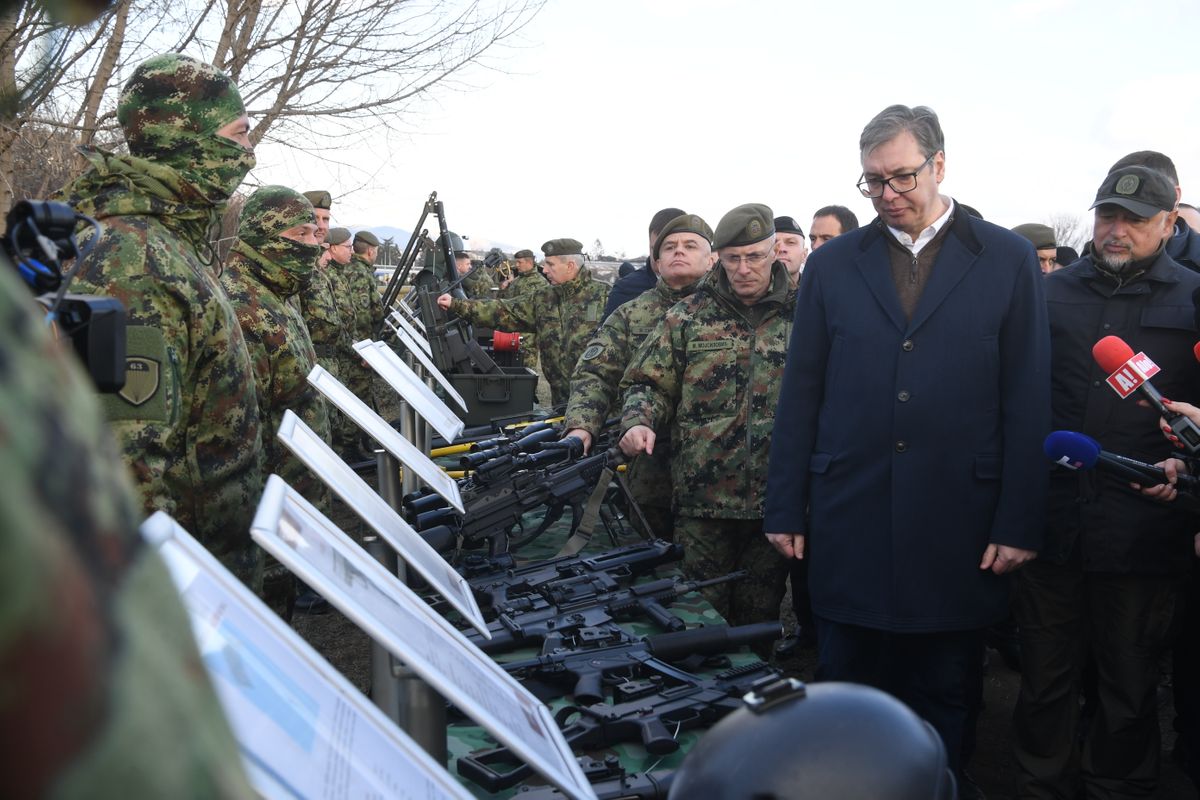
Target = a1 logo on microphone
(1132,374)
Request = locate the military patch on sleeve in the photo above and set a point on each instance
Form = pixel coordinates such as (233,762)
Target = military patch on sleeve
(143,396)
(591,352)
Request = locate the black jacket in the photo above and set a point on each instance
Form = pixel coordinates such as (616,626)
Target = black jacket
(629,287)
(1091,516)
(1184,246)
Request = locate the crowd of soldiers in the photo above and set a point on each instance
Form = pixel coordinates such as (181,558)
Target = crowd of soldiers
(747,381)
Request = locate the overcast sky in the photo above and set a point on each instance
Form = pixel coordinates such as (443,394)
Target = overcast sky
(610,110)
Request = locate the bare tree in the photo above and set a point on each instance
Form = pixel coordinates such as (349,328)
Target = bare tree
(1071,230)
(312,72)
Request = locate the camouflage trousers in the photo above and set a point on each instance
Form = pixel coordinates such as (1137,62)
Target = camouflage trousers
(714,547)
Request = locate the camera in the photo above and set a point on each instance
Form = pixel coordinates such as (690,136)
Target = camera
(39,236)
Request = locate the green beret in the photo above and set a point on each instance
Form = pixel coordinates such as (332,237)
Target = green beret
(172,100)
(337,236)
(320,199)
(270,211)
(563,247)
(523,254)
(744,225)
(684,223)
(366,237)
(1040,236)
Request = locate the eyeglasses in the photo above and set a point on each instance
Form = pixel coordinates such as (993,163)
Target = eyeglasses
(901,184)
(750,259)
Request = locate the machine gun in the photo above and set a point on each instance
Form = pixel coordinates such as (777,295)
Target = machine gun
(411,250)
(586,601)
(653,720)
(511,486)
(610,782)
(586,668)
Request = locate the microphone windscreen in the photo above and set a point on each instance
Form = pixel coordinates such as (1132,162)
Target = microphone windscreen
(1196,349)
(1111,353)
(1072,449)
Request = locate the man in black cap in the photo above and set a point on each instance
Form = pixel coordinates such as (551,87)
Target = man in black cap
(790,247)
(1044,241)
(645,278)
(1107,581)
(1183,243)
(828,222)
(709,374)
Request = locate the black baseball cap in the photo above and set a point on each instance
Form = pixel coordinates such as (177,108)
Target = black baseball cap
(1141,190)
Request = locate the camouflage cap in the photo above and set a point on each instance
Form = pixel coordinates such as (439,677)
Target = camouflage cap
(523,254)
(337,236)
(270,211)
(563,247)
(320,198)
(1141,190)
(744,225)
(174,94)
(684,223)
(366,237)
(1040,236)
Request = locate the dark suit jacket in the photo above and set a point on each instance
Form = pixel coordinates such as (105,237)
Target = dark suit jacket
(913,445)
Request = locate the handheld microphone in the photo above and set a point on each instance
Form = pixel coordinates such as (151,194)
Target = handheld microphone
(1078,451)
(1129,372)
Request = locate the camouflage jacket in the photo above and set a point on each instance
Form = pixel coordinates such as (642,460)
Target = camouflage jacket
(282,354)
(319,307)
(710,372)
(563,317)
(363,298)
(187,418)
(104,693)
(523,283)
(479,284)
(597,375)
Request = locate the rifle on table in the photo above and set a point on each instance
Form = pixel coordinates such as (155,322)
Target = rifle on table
(610,782)
(652,720)
(586,601)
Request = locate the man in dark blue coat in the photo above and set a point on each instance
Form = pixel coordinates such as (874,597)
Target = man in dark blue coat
(906,463)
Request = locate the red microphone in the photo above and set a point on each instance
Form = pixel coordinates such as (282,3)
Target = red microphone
(1129,371)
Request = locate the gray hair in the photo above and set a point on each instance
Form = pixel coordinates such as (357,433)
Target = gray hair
(921,122)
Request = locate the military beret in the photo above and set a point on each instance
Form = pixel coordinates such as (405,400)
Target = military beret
(523,254)
(366,237)
(684,223)
(320,199)
(787,225)
(563,247)
(337,236)
(270,211)
(1142,190)
(171,100)
(744,225)
(1040,236)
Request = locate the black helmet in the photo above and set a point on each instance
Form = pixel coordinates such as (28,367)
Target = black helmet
(832,741)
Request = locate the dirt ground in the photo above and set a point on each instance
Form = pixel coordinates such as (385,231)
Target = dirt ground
(992,766)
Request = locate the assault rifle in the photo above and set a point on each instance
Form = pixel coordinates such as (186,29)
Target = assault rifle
(586,601)
(654,721)
(610,782)
(587,668)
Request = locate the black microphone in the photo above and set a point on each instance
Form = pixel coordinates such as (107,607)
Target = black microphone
(1078,451)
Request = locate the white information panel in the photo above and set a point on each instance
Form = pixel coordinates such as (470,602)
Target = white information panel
(366,418)
(432,369)
(397,322)
(304,731)
(401,377)
(382,518)
(296,533)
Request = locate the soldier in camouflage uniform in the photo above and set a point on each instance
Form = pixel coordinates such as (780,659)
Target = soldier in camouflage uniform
(525,280)
(686,258)
(330,335)
(104,693)
(273,258)
(322,202)
(563,314)
(710,373)
(187,418)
